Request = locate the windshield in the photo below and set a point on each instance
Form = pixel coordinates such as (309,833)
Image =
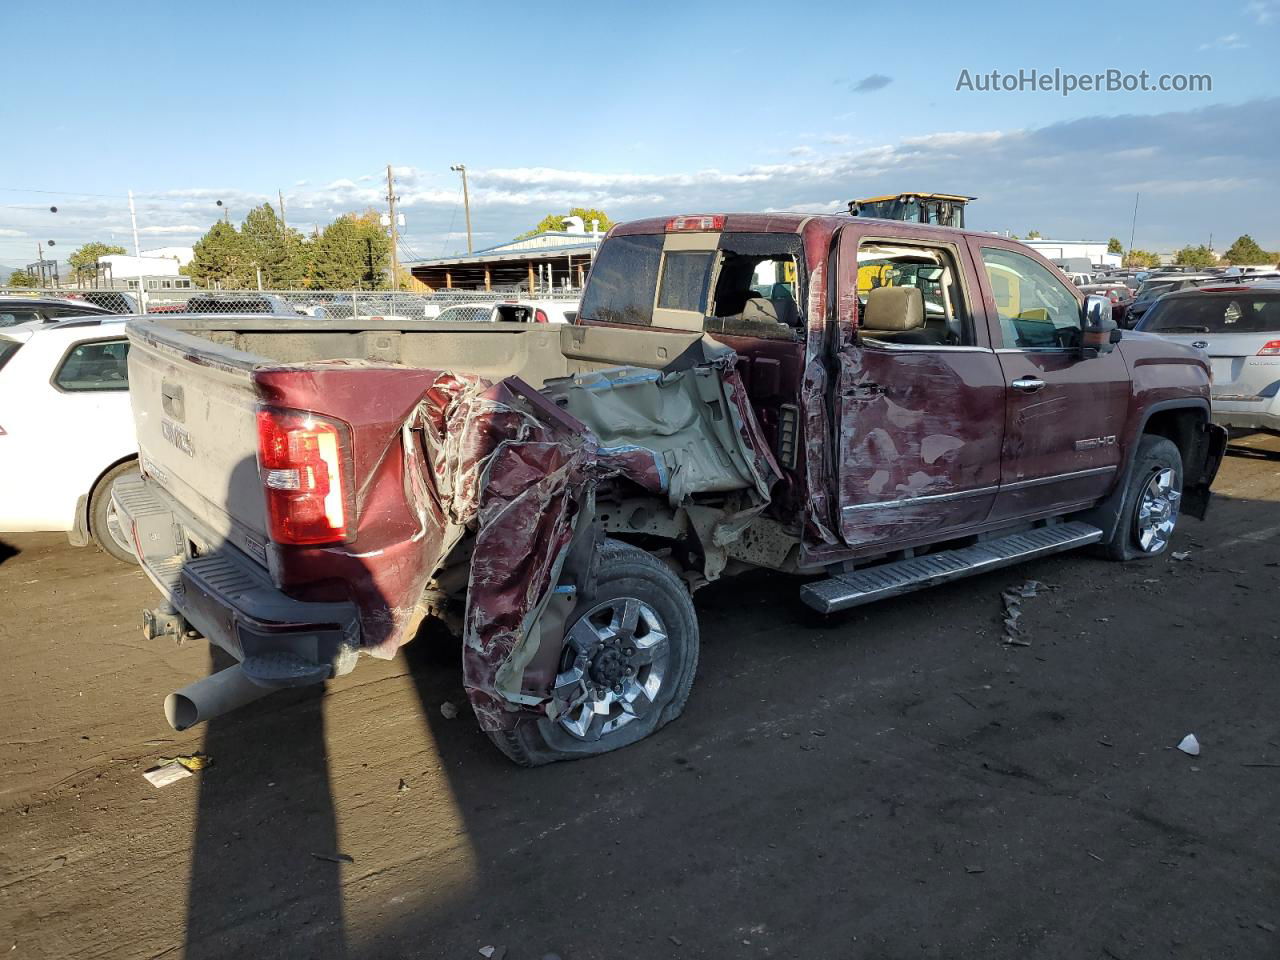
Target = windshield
(10,317)
(1151,290)
(1214,314)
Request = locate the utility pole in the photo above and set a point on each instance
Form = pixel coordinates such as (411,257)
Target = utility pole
(133,216)
(395,234)
(466,199)
(1134,229)
(283,222)
(40,260)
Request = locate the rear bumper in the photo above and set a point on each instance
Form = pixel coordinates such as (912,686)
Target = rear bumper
(1260,414)
(280,641)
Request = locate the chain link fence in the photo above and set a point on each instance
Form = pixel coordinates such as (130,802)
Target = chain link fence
(324,304)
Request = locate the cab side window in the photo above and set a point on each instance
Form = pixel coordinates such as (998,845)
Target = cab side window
(911,295)
(95,366)
(756,295)
(1036,310)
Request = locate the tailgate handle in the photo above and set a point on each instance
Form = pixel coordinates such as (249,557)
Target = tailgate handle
(171,400)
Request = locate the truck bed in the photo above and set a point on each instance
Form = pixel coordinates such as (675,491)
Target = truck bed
(448,438)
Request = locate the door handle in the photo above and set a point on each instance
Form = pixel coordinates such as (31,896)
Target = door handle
(1028,384)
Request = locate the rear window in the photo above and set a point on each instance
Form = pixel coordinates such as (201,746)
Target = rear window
(685,276)
(95,366)
(623,279)
(7,349)
(1214,314)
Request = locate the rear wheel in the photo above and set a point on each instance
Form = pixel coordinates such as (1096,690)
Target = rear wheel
(1151,501)
(104,524)
(630,654)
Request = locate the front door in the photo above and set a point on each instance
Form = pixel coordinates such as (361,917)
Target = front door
(1065,412)
(920,395)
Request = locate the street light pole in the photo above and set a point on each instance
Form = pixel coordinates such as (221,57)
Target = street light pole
(466,199)
(395,234)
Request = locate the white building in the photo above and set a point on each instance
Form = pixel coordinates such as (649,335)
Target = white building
(1095,251)
(160,262)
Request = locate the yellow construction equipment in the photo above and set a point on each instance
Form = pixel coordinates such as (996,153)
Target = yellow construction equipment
(942,209)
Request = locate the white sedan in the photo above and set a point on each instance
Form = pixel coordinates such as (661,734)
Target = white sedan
(66,429)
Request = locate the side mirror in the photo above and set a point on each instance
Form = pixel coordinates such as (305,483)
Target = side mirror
(1097,325)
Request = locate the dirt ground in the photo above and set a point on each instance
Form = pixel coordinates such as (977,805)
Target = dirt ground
(896,784)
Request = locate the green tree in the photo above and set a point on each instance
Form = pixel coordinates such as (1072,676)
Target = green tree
(555,221)
(84,262)
(1141,259)
(1245,251)
(1200,256)
(1115,246)
(23,278)
(1033,234)
(222,258)
(278,252)
(353,253)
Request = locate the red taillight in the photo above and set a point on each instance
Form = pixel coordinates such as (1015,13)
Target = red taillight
(540,316)
(696,222)
(1270,349)
(300,459)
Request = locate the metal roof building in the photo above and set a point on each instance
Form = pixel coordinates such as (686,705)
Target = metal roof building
(545,261)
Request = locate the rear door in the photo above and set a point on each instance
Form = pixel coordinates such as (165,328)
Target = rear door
(921,409)
(1064,413)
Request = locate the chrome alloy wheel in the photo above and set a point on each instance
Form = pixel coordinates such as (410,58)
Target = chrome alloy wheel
(613,667)
(1157,511)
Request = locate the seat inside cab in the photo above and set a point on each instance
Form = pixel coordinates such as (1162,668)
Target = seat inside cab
(755,296)
(910,294)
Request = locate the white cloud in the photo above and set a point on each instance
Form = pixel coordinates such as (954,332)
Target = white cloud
(1230,41)
(1263,11)
(9,232)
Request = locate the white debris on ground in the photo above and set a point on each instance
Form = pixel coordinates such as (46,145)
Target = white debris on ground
(1190,745)
(1012,598)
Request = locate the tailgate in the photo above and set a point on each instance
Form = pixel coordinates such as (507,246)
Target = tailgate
(194,405)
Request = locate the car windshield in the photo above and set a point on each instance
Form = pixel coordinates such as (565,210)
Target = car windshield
(1241,313)
(1149,290)
(10,317)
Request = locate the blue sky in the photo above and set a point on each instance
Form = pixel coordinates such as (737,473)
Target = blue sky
(640,109)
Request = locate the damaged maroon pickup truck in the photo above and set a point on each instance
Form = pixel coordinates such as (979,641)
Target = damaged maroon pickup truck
(875,405)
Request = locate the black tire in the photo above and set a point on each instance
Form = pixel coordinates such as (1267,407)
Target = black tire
(102,524)
(625,572)
(1154,456)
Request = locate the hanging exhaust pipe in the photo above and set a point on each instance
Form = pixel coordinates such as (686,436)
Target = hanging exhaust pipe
(211,697)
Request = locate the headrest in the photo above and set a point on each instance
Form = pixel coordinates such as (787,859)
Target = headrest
(760,310)
(893,308)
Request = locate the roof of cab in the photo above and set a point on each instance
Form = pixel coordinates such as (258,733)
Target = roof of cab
(784,223)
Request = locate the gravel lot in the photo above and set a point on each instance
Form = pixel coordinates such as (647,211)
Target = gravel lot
(899,783)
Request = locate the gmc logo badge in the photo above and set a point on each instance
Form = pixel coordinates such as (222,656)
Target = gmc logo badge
(177,436)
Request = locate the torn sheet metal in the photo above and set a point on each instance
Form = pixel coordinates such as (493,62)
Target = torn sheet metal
(518,466)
